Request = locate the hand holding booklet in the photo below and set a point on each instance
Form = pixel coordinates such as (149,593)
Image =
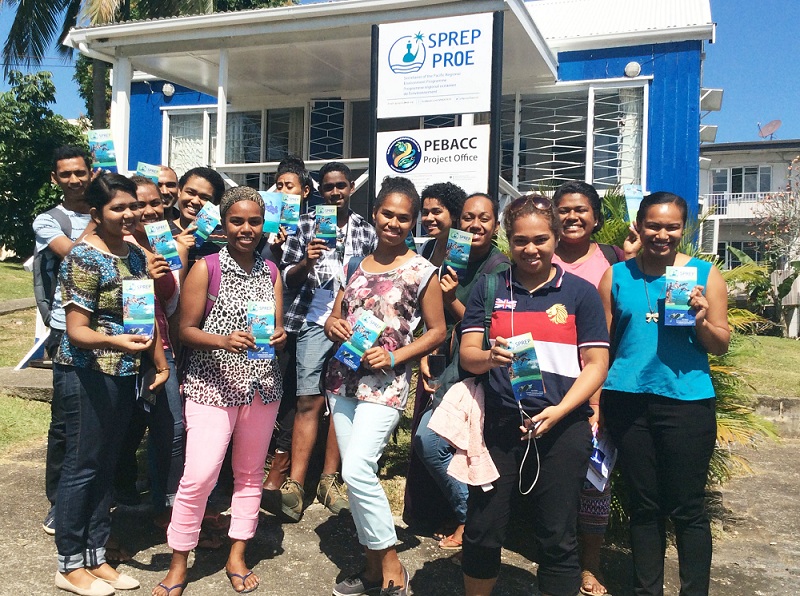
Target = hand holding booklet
(526,376)
(261,322)
(680,281)
(366,331)
(162,243)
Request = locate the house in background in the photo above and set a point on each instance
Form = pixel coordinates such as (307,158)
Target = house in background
(734,178)
(606,92)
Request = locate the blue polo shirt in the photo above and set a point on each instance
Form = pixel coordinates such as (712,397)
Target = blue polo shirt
(564,315)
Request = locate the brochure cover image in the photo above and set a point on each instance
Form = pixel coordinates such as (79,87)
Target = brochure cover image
(138,307)
(261,322)
(162,243)
(680,281)
(526,376)
(366,331)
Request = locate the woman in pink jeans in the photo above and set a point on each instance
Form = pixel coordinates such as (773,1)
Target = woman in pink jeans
(229,397)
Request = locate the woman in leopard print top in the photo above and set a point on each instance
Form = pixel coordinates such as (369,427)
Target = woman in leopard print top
(228,396)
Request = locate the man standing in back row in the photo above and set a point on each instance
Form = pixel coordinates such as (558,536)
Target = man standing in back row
(313,275)
(56,232)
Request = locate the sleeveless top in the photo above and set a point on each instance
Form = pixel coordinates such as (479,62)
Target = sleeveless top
(218,377)
(393,297)
(651,357)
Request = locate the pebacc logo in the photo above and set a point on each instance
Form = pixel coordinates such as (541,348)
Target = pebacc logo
(407,54)
(403,155)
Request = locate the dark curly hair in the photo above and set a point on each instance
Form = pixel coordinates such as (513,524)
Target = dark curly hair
(400,185)
(451,196)
(209,175)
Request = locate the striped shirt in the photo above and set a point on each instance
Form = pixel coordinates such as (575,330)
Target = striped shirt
(563,316)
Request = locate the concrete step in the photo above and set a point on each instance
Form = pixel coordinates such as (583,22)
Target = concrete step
(28,383)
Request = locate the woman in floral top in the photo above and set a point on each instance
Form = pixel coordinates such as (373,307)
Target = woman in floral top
(98,363)
(394,285)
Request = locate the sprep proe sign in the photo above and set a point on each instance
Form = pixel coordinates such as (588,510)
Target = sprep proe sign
(436,66)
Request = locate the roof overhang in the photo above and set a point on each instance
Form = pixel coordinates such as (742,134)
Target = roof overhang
(279,55)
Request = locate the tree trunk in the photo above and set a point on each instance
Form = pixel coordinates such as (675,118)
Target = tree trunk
(99,76)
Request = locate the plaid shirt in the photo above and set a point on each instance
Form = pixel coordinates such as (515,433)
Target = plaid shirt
(361,241)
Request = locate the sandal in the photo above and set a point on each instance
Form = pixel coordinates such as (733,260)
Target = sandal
(242,578)
(449,543)
(175,587)
(590,584)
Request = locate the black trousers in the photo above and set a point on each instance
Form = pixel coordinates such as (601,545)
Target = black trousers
(665,446)
(564,457)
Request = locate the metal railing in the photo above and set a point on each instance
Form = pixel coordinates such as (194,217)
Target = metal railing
(733,205)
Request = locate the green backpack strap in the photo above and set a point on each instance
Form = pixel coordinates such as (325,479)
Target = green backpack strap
(488,306)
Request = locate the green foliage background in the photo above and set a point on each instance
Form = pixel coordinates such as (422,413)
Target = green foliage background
(29,133)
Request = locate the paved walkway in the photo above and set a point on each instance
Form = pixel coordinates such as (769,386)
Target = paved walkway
(758,554)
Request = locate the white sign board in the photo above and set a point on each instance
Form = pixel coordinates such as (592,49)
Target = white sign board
(437,66)
(458,154)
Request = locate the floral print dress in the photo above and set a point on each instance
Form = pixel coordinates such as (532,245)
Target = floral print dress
(393,297)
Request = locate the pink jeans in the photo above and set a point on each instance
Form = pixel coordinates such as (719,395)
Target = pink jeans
(209,430)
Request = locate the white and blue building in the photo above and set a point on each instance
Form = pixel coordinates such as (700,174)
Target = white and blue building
(608,92)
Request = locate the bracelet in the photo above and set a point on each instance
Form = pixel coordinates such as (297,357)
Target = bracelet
(160,370)
(595,404)
(391,359)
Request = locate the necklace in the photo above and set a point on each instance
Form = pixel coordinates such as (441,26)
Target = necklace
(652,315)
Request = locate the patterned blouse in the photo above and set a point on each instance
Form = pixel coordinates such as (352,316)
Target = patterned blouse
(92,279)
(218,377)
(393,297)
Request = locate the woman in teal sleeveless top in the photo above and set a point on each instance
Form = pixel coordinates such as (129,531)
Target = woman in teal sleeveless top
(658,400)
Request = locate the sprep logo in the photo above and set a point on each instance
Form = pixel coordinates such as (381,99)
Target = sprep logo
(403,155)
(407,54)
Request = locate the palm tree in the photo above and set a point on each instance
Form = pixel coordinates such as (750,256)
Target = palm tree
(39,24)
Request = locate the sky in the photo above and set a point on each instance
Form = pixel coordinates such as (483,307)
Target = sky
(755,59)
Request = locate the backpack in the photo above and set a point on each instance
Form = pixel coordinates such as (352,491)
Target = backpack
(215,274)
(45,269)
(609,253)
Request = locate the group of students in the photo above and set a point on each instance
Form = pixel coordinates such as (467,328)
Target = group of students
(655,400)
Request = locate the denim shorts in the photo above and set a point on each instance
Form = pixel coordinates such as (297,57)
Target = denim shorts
(313,348)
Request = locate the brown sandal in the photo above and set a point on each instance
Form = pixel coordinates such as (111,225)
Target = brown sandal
(450,543)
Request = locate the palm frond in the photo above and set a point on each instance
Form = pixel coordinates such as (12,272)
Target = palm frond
(32,31)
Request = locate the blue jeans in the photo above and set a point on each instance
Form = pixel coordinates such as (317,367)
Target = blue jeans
(363,430)
(96,408)
(436,454)
(165,443)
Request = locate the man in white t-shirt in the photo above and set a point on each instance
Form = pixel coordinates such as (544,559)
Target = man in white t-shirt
(57,230)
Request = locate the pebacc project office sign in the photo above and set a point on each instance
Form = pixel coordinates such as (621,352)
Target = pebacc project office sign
(437,66)
(457,154)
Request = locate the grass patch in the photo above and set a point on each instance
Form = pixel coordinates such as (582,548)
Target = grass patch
(16,335)
(15,282)
(22,420)
(769,365)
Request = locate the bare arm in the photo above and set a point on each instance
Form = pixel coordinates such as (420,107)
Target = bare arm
(61,245)
(711,318)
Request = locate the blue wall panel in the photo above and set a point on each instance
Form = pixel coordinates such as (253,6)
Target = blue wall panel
(146,119)
(673,140)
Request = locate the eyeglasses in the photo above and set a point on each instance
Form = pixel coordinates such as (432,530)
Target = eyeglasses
(539,202)
(329,186)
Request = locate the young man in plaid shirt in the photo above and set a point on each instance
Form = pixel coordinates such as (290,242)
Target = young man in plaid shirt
(313,275)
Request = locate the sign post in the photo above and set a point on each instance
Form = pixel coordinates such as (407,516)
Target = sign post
(450,65)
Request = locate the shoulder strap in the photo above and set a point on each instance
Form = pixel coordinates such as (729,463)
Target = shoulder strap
(488,304)
(214,275)
(273,270)
(495,262)
(62,219)
(352,265)
(609,253)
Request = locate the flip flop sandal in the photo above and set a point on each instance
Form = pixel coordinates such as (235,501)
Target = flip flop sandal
(449,543)
(242,578)
(175,587)
(587,577)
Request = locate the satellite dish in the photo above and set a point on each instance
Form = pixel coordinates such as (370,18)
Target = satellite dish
(768,129)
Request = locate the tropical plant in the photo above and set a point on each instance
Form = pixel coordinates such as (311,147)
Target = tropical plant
(29,133)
